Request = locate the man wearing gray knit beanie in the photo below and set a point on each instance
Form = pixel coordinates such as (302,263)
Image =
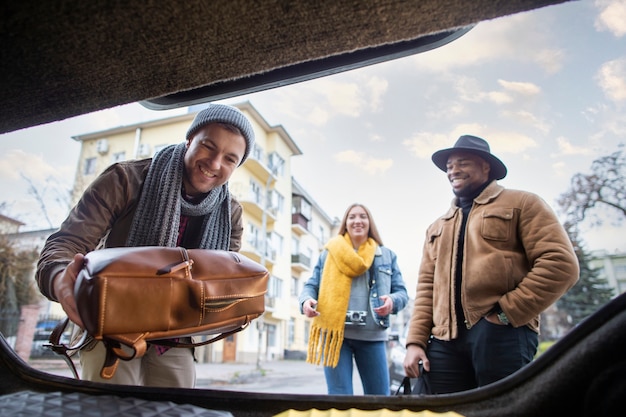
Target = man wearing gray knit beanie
(180,197)
(220,113)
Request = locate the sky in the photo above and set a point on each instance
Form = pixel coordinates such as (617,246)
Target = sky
(546,88)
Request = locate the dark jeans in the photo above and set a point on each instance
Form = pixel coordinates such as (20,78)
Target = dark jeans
(481,355)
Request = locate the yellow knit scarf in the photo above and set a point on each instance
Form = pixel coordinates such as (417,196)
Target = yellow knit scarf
(341,265)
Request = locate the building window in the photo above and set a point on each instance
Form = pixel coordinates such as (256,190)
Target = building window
(277,202)
(295,290)
(275,245)
(257,153)
(291,332)
(255,192)
(275,287)
(118,157)
(295,246)
(321,234)
(300,206)
(253,234)
(90,166)
(276,164)
(307,329)
(271,334)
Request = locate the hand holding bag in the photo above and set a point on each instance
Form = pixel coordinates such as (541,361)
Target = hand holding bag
(415,386)
(127,297)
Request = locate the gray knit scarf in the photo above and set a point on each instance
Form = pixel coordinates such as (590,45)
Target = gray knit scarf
(157,217)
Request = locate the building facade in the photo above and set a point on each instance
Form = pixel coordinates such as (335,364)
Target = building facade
(612,267)
(284,228)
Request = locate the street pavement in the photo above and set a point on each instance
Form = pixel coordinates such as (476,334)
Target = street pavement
(282,376)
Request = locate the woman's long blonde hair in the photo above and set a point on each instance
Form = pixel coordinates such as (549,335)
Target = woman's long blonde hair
(373,230)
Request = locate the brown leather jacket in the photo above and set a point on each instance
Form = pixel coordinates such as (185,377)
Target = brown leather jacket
(102,218)
(516,254)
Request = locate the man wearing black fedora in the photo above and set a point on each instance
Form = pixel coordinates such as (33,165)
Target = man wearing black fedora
(490,265)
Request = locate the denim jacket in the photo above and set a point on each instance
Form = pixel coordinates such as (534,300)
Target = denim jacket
(385,279)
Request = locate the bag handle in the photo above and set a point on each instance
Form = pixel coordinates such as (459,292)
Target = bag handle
(64,350)
(406,387)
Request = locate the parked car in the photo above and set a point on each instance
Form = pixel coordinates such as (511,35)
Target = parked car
(42,337)
(39,348)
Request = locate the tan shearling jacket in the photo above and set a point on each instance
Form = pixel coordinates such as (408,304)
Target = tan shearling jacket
(516,254)
(102,218)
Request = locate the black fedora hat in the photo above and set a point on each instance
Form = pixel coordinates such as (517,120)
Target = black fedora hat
(476,146)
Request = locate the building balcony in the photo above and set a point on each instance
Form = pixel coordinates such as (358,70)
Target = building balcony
(258,167)
(253,203)
(254,251)
(299,224)
(300,263)
(270,302)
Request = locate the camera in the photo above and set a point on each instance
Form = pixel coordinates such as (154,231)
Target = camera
(356,317)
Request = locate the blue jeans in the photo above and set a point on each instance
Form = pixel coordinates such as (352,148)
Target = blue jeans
(371,361)
(481,355)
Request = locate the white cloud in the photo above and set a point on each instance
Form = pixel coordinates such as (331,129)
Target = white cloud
(567,148)
(446,110)
(522,88)
(424,144)
(612,79)
(510,142)
(320,100)
(550,59)
(317,116)
(560,169)
(13,165)
(361,160)
(343,98)
(497,40)
(469,89)
(376,89)
(612,17)
(376,138)
(498,97)
(499,141)
(527,118)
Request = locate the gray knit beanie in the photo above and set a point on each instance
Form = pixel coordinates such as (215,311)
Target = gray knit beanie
(222,113)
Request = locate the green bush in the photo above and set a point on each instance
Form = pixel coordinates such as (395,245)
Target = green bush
(543,346)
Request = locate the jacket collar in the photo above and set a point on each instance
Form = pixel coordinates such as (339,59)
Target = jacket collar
(492,191)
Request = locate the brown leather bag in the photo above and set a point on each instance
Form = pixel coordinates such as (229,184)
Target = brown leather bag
(127,297)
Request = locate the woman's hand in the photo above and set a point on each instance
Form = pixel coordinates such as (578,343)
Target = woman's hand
(386,308)
(309,308)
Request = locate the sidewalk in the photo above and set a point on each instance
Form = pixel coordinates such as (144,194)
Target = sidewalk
(282,376)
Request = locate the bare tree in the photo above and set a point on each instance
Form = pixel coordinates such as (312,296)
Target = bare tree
(39,196)
(592,195)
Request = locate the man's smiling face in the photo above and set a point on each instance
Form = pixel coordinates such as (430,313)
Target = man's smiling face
(466,172)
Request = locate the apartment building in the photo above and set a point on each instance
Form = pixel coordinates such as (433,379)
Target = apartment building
(612,267)
(9,225)
(284,228)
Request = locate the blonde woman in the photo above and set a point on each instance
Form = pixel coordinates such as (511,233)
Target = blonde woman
(355,286)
